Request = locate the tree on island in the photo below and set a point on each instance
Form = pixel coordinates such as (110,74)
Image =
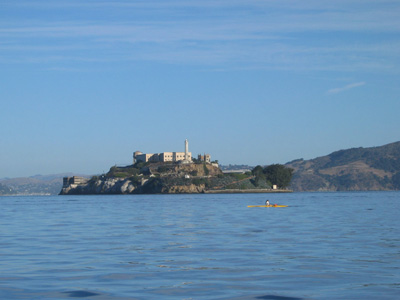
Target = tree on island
(274,174)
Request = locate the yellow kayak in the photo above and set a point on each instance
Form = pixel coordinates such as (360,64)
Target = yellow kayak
(267,205)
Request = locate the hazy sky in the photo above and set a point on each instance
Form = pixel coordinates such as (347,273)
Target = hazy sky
(84,83)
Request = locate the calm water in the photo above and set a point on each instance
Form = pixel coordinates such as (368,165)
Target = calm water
(324,246)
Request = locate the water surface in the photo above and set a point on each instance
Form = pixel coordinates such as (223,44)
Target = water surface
(323,246)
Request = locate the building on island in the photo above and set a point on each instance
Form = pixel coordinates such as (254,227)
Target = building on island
(74,180)
(204,158)
(183,157)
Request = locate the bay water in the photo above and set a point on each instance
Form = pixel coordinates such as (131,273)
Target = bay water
(342,245)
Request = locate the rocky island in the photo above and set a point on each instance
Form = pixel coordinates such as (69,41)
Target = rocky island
(166,178)
(172,173)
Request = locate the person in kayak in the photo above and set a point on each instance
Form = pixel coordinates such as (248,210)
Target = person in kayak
(267,203)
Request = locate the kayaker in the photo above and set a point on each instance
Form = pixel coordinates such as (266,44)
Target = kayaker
(267,203)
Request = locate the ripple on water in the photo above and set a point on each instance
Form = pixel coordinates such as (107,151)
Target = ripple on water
(200,247)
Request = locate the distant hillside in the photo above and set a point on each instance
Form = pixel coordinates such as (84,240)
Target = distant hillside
(5,190)
(356,169)
(34,185)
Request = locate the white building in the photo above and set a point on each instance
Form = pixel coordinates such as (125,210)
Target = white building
(164,156)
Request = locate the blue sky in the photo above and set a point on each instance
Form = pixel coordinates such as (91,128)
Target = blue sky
(83,84)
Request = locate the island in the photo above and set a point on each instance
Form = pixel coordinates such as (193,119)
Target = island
(177,173)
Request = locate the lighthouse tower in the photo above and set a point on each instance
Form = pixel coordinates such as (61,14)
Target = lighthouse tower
(186,150)
(188,158)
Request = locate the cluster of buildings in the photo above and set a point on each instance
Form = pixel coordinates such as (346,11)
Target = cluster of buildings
(182,157)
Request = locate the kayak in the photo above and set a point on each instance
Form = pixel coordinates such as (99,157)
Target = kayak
(267,206)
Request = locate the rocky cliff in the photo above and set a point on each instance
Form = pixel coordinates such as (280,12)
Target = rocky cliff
(101,185)
(127,186)
(149,179)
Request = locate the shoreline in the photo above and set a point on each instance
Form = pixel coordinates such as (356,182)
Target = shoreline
(249,191)
(227,191)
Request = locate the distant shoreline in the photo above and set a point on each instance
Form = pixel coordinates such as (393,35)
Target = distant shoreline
(248,191)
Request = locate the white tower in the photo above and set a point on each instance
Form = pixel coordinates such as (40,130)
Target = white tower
(186,150)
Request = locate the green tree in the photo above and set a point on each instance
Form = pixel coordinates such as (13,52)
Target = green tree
(257,171)
(279,175)
(260,178)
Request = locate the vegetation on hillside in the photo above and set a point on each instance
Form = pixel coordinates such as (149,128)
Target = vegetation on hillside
(5,190)
(123,172)
(275,174)
(376,168)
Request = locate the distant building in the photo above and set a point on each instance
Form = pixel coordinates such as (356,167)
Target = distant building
(67,181)
(184,157)
(206,158)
